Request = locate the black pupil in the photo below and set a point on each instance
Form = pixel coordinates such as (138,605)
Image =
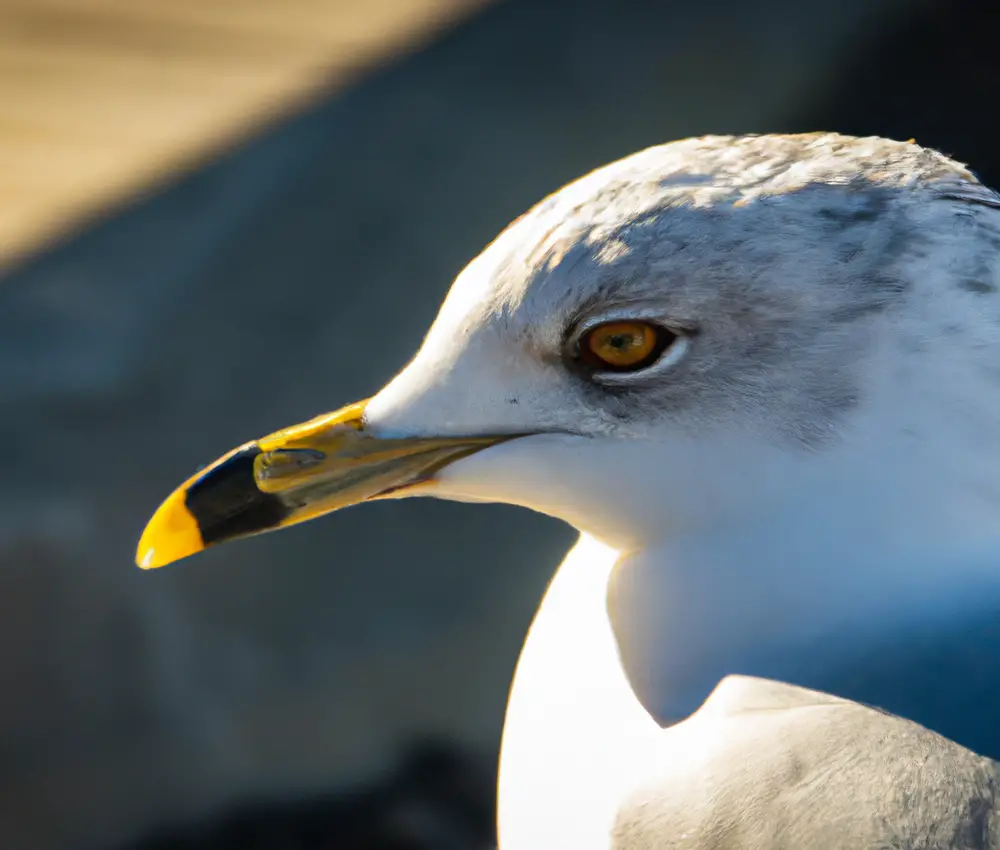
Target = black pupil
(621,341)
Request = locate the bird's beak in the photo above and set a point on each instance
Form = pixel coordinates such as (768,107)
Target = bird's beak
(293,475)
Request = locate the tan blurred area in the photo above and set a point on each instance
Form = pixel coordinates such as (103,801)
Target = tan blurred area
(101,97)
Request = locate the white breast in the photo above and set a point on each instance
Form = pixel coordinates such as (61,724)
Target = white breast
(575,738)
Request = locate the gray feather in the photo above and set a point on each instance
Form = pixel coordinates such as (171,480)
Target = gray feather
(784,768)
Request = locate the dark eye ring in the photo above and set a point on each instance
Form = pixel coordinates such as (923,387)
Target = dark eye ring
(623,345)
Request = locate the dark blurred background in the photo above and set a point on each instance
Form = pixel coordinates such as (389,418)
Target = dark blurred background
(218,217)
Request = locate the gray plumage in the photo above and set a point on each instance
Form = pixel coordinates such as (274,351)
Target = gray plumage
(784,768)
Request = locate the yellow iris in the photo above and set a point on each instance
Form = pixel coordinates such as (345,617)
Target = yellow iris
(619,345)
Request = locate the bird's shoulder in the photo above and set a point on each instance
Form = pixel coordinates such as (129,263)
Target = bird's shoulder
(810,770)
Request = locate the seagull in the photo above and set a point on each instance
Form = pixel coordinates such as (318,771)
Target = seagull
(761,376)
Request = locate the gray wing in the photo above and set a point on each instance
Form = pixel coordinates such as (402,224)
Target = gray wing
(768,766)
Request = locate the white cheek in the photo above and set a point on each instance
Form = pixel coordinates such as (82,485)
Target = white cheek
(598,486)
(625,492)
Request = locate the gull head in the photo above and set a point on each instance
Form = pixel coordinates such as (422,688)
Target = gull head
(676,343)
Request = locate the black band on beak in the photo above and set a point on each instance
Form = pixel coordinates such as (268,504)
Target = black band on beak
(226,503)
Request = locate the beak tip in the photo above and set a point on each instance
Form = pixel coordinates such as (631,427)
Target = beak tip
(148,558)
(171,534)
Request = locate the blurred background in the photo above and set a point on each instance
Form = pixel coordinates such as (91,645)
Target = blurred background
(218,217)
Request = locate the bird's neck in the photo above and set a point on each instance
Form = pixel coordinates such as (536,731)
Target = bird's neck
(811,584)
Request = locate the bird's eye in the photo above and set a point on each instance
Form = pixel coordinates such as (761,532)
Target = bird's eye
(623,346)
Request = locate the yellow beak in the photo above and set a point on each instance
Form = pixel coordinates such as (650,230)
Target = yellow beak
(293,475)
